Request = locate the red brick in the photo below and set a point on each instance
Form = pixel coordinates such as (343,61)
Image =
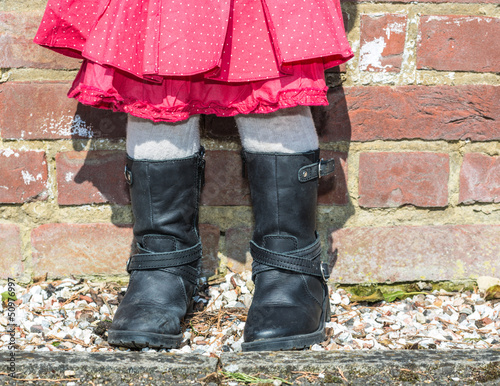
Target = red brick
(91,177)
(11,264)
(210,235)
(238,248)
(388,113)
(17,49)
(87,249)
(80,249)
(41,110)
(382,42)
(333,188)
(23,176)
(393,179)
(224,183)
(408,253)
(459,43)
(480,179)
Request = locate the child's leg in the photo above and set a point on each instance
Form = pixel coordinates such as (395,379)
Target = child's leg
(284,131)
(147,140)
(164,172)
(290,304)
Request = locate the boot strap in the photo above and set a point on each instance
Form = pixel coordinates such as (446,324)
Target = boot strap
(316,170)
(155,260)
(306,260)
(187,272)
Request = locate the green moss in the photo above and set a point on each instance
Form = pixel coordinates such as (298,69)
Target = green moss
(374,292)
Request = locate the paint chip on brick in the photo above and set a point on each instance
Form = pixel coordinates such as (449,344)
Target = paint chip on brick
(23,175)
(382,42)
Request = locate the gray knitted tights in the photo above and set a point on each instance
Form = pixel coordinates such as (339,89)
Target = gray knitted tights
(284,131)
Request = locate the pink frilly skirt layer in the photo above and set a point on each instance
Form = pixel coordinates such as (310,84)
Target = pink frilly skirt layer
(163,61)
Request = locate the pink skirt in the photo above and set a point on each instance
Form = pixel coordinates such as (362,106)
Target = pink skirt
(166,61)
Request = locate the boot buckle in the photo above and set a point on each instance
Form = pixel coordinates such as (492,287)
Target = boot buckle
(325,167)
(324,271)
(128,175)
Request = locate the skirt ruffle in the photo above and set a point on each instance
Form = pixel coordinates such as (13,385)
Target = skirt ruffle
(177,99)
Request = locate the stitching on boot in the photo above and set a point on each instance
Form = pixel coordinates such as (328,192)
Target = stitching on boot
(304,282)
(183,289)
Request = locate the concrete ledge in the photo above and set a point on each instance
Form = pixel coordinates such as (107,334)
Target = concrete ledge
(374,367)
(115,368)
(298,367)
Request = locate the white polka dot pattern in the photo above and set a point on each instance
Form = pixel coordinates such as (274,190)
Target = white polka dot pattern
(250,40)
(305,29)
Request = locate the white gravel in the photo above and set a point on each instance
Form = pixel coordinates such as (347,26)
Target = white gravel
(72,315)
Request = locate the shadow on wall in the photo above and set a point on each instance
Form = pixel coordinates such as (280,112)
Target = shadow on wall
(334,126)
(97,174)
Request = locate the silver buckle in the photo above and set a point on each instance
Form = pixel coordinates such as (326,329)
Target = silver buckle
(319,168)
(322,267)
(128,175)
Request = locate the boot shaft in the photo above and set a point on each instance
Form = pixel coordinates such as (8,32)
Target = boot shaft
(165,201)
(284,207)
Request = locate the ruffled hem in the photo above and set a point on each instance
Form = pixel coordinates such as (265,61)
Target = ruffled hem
(290,98)
(175,99)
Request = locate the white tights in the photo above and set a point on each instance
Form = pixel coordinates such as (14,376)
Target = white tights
(284,131)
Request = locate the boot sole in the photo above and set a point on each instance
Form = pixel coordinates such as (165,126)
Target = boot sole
(295,342)
(139,339)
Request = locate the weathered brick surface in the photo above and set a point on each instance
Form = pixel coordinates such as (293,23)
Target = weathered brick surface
(389,113)
(11,264)
(393,179)
(41,110)
(23,176)
(91,177)
(17,49)
(224,183)
(382,42)
(332,189)
(408,253)
(480,179)
(459,43)
(238,248)
(80,249)
(210,235)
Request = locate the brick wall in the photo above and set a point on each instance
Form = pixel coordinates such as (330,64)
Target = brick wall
(414,124)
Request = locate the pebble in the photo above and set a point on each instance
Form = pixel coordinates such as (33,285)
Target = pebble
(437,320)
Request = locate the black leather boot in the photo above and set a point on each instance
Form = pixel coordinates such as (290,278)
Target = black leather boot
(164,271)
(291,304)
